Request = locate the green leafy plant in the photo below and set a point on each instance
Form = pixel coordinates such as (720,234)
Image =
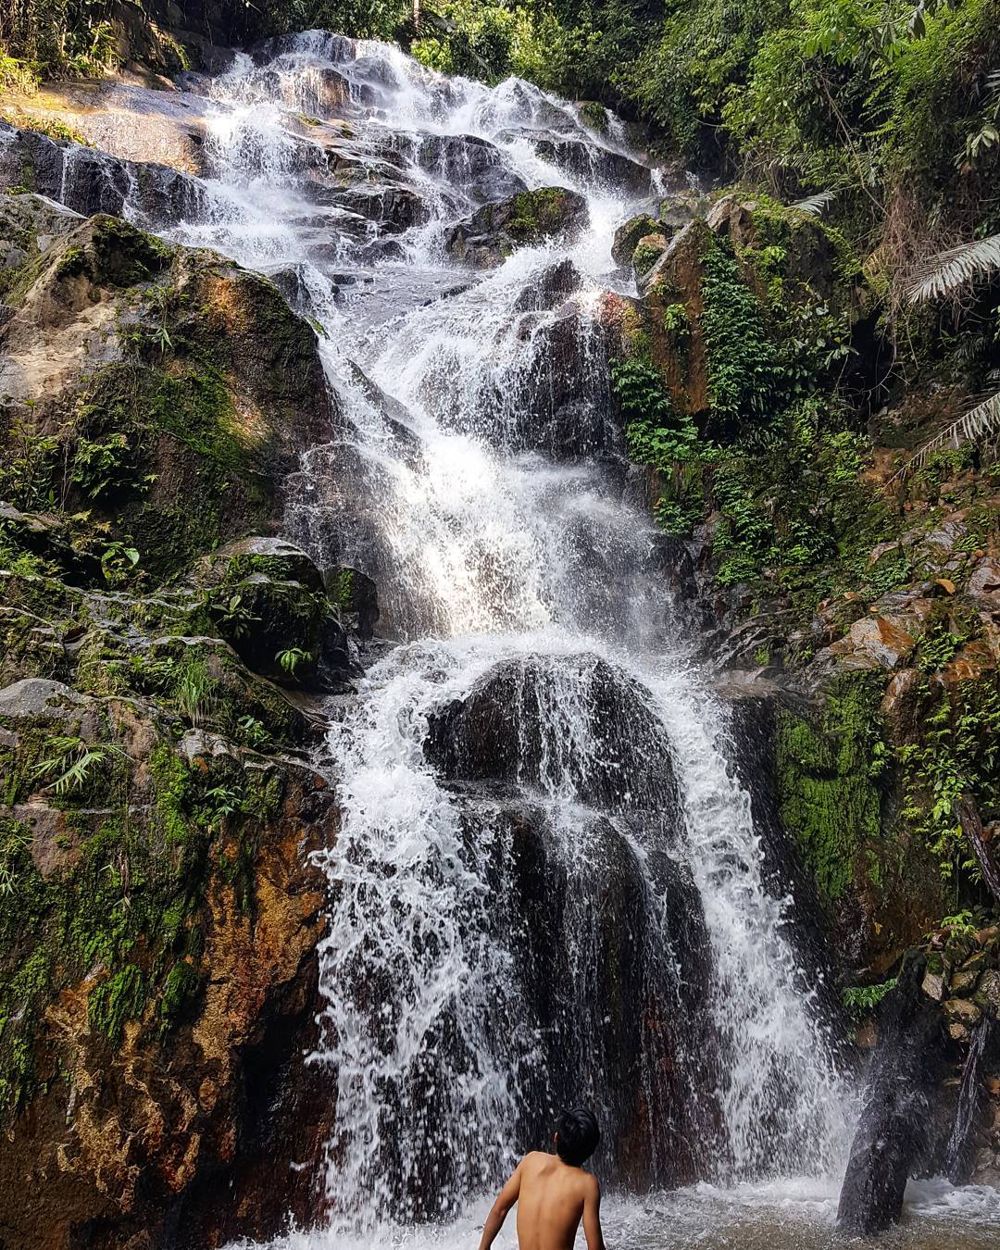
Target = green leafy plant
(861,1000)
(291,658)
(117,562)
(74,763)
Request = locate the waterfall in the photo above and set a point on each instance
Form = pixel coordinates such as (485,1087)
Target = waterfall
(547,885)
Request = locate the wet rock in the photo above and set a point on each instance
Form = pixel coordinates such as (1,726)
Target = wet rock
(473,165)
(512,726)
(494,231)
(393,207)
(961,1015)
(357,597)
(628,235)
(596,164)
(893,1131)
(91,182)
(556,285)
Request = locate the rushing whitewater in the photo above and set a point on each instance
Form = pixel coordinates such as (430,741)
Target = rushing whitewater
(548,885)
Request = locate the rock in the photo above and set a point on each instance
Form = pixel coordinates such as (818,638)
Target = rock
(964,982)
(268,600)
(647,252)
(675,279)
(894,1124)
(628,235)
(988,996)
(477,165)
(984,583)
(184,1064)
(961,1010)
(37,697)
(357,597)
(202,451)
(498,732)
(55,842)
(557,284)
(881,640)
(934,985)
(494,231)
(90,182)
(273,557)
(596,164)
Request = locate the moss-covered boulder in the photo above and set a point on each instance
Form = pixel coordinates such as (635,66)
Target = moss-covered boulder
(629,234)
(164,393)
(267,598)
(494,231)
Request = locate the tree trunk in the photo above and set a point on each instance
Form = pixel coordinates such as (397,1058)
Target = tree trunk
(972,827)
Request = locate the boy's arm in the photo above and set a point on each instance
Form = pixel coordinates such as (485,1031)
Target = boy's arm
(592,1216)
(498,1212)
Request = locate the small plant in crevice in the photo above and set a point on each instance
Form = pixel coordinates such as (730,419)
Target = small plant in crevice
(74,763)
(290,660)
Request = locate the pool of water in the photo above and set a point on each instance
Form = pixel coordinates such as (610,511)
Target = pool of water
(790,1215)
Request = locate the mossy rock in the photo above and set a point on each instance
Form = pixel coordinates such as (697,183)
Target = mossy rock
(267,599)
(628,235)
(494,231)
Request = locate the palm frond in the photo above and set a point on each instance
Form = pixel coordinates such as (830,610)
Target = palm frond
(949,272)
(979,425)
(815,205)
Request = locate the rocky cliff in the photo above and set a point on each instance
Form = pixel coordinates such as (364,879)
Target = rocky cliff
(847,566)
(160,912)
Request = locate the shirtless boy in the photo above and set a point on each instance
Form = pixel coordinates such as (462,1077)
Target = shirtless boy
(553,1192)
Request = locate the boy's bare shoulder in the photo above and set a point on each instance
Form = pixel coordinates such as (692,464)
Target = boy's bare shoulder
(533,1158)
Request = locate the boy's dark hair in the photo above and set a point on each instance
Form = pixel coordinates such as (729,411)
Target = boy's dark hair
(578,1135)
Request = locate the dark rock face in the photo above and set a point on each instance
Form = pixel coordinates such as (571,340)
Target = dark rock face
(510,726)
(93,182)
(475,165)
(627,1061)
(596,164)
(892,1136)
(495,230)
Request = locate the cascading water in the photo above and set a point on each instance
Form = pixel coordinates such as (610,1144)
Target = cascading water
(548,885)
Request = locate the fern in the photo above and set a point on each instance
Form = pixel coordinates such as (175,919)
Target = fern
(814,205)
(948,273)
(74,762)
(979,425)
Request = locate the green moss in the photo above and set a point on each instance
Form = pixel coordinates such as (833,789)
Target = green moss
(538,213)
(122,997)
(826,779)
(180,991)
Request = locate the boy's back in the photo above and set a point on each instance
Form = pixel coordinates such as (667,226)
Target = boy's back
(552,1192)
(552,1201)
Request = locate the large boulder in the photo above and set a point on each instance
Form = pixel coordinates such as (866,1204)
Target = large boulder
(267,598)
(191,387)
(494,231)
(574,726)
